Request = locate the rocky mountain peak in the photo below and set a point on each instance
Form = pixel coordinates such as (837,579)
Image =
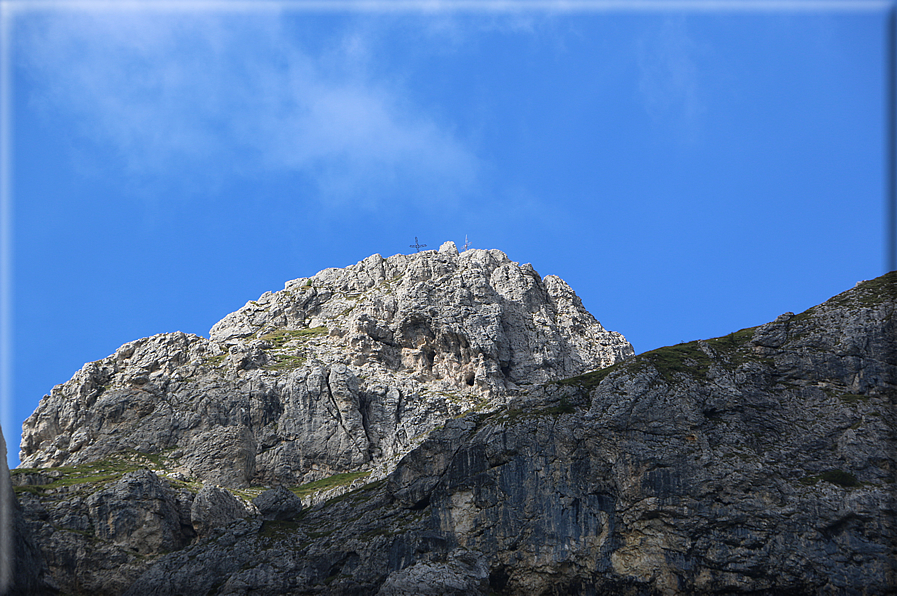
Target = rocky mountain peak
(344,371)
(474,319)
(760,462)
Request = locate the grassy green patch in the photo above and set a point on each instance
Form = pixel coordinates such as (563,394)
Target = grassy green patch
(35,490)
(589,380)
(514,415)
(681,359)
(804,316)
(215,360)
(286,362)
(359,494)
(838,477)
(327,483)
(847,398)
(685,358)
(100,472)
(871,292)
(248,493)
(735,341)
(280,337)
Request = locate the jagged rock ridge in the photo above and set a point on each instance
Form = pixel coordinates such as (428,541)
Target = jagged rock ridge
(343,371)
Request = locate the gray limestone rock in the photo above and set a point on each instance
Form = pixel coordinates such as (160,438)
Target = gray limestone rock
(463,573)
(491,448)
(344,371)
(138,513)
(757,463)
(278,504)
(23,569)
(214,507)
(99,536)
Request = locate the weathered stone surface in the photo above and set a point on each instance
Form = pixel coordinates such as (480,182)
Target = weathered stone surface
(464,573)
(761,462)
(22,566)
(214,507)
(343,371)
(99,538)
(758,463)
(138,513)
(278,504)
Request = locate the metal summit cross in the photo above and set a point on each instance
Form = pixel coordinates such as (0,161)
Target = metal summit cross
(417,245)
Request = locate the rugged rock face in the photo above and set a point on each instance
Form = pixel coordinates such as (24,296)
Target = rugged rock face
(278,504)
(138,513)
(22,566)
(762,462)
(215,507)
(757,463)
(340,372)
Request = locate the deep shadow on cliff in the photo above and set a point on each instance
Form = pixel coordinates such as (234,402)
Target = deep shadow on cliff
(762,462)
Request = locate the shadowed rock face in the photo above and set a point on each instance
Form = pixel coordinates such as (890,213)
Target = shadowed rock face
(22,566)
(757,463)
(762,462)
(344,371)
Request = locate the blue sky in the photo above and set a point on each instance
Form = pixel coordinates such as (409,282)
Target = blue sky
(688,172)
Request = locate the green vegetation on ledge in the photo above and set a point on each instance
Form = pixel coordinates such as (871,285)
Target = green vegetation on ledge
(286,362)
(215,360)
(280,337)
(327,483)
(686,358)
(514,415)
(870,292)
(100,472)
(589,380)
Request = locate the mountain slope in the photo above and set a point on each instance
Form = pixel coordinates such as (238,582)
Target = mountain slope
(762,462)
(758,463)
(341,372)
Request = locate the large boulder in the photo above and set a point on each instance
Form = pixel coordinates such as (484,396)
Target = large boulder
(214,507)
(139,512)
(278,504)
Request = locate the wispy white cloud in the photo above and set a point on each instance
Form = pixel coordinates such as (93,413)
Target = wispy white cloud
(669,76)
(204,92)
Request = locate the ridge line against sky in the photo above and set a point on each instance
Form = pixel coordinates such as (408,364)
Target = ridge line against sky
(10,8)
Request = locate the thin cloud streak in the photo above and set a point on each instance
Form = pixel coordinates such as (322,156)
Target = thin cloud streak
(668,80)
(168,93)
